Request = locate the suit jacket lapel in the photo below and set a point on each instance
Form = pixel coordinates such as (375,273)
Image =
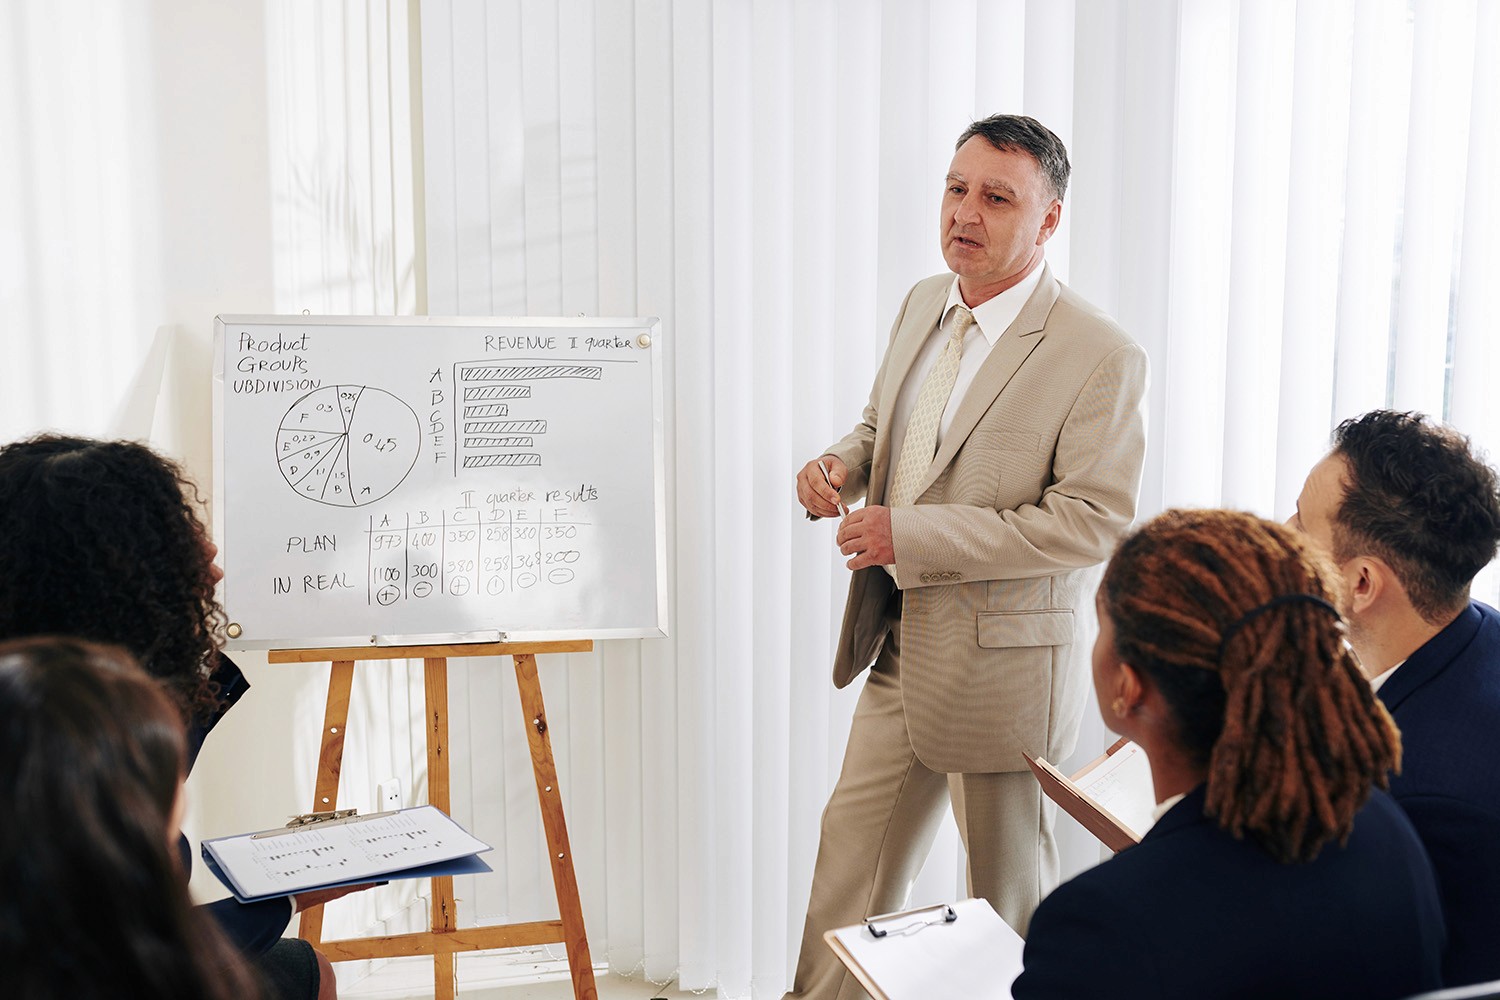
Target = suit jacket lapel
(1018,341)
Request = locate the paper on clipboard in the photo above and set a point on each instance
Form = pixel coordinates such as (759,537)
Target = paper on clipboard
(921,955)
(409,843)
(1112,795)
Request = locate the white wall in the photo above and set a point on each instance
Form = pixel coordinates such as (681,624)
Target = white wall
(163,180)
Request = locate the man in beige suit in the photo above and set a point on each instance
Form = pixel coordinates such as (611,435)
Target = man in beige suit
(999,458)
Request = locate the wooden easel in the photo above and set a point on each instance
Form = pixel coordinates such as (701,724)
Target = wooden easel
(445,939)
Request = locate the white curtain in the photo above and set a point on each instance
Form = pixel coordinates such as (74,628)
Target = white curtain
(79,273)
(765,177)
(1294,206)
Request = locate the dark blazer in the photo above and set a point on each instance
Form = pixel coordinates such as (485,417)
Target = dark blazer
(251,927)
(1446,699)
(1192,912)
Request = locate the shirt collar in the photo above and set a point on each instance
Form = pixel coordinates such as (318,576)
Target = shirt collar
(1380,679)
(1165,805)
(995,315)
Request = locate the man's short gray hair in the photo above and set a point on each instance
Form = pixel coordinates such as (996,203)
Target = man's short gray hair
(1010,132)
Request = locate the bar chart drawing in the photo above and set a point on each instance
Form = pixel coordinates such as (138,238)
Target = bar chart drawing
(488,392)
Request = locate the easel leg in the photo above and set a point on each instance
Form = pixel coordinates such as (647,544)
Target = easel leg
(560,854)
(444,919)
(330,763)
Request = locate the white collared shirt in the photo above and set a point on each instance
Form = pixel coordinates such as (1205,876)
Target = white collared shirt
(991,318)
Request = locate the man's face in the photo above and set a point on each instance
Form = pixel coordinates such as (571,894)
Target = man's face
(1317,505)
(1319,502)
(998,210)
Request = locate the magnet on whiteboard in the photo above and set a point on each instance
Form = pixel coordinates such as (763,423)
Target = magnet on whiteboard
(644,340)
(234,630)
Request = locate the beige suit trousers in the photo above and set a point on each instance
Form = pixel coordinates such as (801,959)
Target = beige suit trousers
(880,822)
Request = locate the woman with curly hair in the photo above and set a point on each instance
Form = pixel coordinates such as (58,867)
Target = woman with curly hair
(102,540)
(1277,866)
(92,759)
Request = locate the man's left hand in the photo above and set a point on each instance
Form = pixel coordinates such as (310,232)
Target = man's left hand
(866,535)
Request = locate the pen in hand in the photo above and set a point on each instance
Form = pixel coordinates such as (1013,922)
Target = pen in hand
(843,511)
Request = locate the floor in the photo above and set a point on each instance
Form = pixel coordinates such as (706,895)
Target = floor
(495,976)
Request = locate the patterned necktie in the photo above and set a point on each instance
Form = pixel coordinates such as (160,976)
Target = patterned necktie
(922,426)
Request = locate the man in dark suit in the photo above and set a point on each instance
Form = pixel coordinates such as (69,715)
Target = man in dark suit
(1410,516)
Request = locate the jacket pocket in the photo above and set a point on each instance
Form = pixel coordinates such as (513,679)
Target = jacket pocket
(1004,629)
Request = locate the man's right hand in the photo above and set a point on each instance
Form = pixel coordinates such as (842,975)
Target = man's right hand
(814,493)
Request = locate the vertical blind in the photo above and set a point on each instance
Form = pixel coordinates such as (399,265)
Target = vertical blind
(1294,206)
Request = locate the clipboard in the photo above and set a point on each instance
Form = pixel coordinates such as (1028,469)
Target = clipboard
(1116,783)
(329,850)
(958,949)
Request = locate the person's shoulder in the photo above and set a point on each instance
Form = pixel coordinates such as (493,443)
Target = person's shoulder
(1079,316)
(935,286)
(1137,884)
(1159,855)
(1382,818)
(1450,732)
(1106,887)
(1455,697)
(1489,623)
(923,300)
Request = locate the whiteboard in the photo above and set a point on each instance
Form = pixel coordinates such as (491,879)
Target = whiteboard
(410,480)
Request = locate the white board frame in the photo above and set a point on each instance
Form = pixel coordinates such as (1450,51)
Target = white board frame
(652,326)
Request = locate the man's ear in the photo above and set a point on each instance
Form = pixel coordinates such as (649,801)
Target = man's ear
(1368,579)
(1050,222)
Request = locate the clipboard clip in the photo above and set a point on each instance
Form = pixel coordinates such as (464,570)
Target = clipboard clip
(947,915)
(303,821)
(314,818)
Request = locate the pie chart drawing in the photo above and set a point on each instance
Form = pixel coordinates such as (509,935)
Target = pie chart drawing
(347,445)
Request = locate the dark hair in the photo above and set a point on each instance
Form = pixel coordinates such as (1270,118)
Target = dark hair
(1010,132)
(1262,686)
(101,539)
(1418,498)
(96,902)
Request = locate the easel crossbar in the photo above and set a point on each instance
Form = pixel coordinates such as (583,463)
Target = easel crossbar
(334,654)
(428,943)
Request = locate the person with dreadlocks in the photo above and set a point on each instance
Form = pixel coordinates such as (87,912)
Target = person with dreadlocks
(1277,866)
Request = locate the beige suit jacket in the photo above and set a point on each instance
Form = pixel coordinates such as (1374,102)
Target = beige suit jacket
(1032,486)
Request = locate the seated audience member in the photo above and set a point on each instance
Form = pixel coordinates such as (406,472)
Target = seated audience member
(1276,869)
(1410,516)
(92,759)
(102,540)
